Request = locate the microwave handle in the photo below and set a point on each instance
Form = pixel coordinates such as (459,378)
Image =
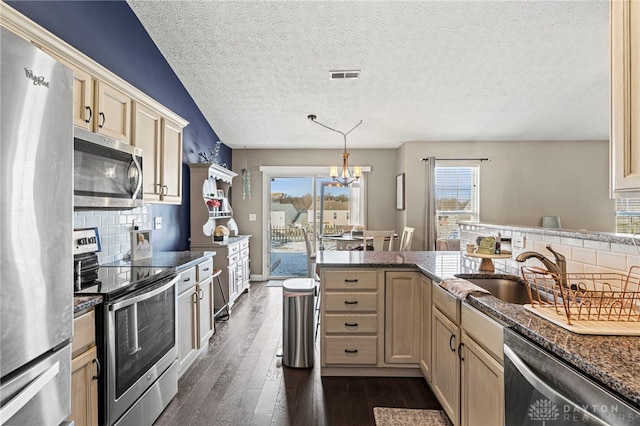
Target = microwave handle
(545,389)
(139,185)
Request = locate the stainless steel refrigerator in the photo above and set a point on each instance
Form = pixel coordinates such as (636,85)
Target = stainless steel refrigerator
(36,208)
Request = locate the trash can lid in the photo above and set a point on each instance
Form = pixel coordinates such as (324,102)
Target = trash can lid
(299,285)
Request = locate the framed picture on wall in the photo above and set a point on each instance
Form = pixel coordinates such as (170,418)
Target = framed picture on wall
(141,245)
(220,193)
(400,192)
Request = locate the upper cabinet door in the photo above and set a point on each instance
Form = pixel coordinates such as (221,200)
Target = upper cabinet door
(625,98)
(113,117)
(146,135)
(83,110)
(171,162)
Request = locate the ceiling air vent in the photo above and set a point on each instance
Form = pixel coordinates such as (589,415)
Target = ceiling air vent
(344,75)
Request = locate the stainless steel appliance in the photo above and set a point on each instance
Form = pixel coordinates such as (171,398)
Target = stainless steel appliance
(136,330)
(541,388)
(36,183)
(107,172)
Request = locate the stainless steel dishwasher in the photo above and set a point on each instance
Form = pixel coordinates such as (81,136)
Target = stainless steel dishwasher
(541,389)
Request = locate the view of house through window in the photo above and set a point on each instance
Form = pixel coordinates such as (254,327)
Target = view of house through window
(317,205)
(628,215)
(456,195)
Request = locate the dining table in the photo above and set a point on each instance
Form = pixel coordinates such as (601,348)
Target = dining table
(345,241)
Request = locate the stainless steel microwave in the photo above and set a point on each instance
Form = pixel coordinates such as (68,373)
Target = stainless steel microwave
(107,172)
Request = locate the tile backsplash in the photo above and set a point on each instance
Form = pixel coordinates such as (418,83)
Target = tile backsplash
(584,255)
(114,227)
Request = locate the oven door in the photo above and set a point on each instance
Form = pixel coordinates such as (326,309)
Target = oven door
(541,389)
(141,343)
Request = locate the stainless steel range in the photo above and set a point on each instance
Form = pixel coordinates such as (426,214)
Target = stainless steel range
(136,330)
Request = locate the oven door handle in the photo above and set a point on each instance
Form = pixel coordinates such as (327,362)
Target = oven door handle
(144,296)
(545,389)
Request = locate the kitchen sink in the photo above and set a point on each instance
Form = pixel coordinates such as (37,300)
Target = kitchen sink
(509,289)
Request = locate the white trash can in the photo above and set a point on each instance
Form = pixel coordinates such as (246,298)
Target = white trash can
(298,322)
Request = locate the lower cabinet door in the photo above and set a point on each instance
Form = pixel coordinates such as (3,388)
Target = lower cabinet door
(205,311)
(84,388)
(187,330)
(445,364)
(482,386)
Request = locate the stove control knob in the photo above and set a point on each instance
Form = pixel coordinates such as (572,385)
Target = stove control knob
(92,240)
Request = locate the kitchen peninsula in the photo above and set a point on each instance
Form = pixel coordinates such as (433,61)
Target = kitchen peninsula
(612,361)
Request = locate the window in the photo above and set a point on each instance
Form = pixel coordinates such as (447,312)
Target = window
(456,194)
(628,215)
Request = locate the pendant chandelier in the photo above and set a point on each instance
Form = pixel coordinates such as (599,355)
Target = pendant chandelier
(345,177)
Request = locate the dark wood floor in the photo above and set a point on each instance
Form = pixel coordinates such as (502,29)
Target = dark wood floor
(240,381)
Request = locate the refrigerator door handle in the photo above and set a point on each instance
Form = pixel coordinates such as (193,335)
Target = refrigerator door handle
(22,398)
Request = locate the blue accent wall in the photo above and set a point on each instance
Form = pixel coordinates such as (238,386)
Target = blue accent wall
(111,34)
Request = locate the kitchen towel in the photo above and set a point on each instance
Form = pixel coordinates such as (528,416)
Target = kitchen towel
(460,287)
(409,417)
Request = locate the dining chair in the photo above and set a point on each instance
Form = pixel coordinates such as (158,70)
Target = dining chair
(311,254)
(379,238)
(405,240)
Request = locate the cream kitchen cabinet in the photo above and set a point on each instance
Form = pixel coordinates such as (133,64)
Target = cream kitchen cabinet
(625,98)
(85,370)
(403,316)
(425,341)
(351,317)
(232,258)
(467,375)
(195,312)
(112,116)
(161,140)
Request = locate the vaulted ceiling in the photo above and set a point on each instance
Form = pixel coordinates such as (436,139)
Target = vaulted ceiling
(429,70)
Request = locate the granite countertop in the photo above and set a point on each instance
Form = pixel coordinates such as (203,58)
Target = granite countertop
(614,361)
(180,260)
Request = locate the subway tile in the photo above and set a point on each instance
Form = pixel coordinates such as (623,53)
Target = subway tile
(551,239)
(92,221)
(609,260)
(574,242)
(583,255)
(575,267)
(598,245)
(625,248)
(79,222)
(534,237)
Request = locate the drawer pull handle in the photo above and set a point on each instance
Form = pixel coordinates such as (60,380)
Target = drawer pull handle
(453,348)
(355,280)
(347,324)
(351,351)
(346,302)
(206,269)
(187,279)
(460,346)
(88,120)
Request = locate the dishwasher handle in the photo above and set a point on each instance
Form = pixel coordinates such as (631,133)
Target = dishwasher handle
(545,389)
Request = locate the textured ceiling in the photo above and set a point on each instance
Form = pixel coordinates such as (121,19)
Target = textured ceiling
(445,71)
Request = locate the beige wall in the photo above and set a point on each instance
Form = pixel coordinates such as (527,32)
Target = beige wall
(523,182)
(380,187)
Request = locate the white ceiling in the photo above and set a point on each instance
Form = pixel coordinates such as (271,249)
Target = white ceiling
(430,70)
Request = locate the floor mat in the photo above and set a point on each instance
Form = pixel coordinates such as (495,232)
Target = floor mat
(411,417)
(274,283)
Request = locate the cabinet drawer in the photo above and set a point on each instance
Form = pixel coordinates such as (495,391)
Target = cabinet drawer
(485,331)
(204,269)
(244,253)
(235,248)
(187,280)
(340,323)
(84,333)
(350,349)
(351,302)
(244,244)
(351,280)
(234,259)
(446,303)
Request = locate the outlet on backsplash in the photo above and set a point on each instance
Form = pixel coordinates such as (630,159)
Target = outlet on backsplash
(157,224)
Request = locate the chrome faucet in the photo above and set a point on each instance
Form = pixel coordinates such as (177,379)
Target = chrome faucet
(558,268)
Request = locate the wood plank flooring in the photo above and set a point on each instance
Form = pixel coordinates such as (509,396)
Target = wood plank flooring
(240,380)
